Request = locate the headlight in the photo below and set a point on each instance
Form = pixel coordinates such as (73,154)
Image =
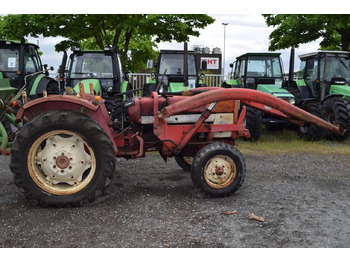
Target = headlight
(290,100)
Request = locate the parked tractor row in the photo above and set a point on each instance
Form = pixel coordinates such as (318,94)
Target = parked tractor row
(20,70)
(321,88)
(65,151)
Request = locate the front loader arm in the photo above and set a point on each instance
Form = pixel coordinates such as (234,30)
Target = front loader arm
(265,102)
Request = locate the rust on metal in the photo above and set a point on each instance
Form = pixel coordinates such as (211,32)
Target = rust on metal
(91,88)
(81,90)
(62,162)
(4,152)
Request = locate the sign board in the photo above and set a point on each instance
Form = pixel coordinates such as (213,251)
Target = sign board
(11,62)
(149,64)
(212,62)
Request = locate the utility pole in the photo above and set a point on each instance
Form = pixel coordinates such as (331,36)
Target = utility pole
(223,67)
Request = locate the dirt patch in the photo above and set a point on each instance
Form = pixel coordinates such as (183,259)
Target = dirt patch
(302,198)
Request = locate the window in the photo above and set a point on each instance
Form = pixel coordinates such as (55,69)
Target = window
(264,66)
(92,65)
(9,59)
(174,64)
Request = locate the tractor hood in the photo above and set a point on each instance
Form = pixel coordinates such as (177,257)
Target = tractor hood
(343,90)
(274,90)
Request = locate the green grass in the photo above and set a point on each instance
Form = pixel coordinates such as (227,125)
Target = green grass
(288,142)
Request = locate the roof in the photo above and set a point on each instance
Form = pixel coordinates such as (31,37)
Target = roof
(321,52)
(175,52)
(15,42)
(259,54)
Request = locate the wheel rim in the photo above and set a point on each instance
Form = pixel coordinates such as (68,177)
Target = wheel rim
(220,171)
(61,162)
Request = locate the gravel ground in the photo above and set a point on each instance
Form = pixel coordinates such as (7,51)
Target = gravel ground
(304,200)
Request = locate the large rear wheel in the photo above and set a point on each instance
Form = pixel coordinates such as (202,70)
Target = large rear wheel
(253,122)
(218,169)
(311,131)
(62,158)
(335,110)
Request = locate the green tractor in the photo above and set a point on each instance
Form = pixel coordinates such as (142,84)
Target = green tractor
(100,68)
(20,70)
(322,88)
(175,73)
(19,59)
(262,72)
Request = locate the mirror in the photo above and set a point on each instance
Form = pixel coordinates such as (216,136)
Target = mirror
(204,65)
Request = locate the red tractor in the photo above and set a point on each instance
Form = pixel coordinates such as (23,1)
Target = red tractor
(66,152)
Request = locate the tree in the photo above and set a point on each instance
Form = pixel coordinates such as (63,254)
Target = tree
(122,30)
(292,30)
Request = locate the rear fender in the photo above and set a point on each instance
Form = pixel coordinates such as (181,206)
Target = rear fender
(342,90)
(39,84)
(98,112)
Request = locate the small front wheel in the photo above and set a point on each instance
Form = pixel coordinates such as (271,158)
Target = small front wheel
(218,169)
(185,162)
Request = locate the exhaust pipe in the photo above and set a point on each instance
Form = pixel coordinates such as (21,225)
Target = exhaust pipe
(185,65)
(291,67)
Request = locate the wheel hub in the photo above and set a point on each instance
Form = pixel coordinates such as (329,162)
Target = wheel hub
(64,160)
(220,171)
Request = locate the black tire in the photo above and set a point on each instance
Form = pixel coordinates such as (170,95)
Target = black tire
(225,85)
(294,90)
(253,122)
(62,158)
(208,180)
(7,125)
(335,109)
(311,132)
(275,127)
(52,88)
(185,162)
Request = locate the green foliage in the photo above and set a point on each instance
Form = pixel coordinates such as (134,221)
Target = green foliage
(133,33)
(292,30)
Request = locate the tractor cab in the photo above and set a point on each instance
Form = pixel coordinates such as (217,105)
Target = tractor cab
(322,88)
(263,72)
(100,69)
(324,73)
(174,73)
(20,65)
(171,64)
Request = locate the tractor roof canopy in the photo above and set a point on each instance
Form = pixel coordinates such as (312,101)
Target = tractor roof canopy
(322,53)
(15,42)
(258,54)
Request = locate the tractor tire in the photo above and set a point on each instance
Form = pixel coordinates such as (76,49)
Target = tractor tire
(185,162)
(311,132)
(253,122)
(62,158)
(218,169)
(225,85)
(335,109)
